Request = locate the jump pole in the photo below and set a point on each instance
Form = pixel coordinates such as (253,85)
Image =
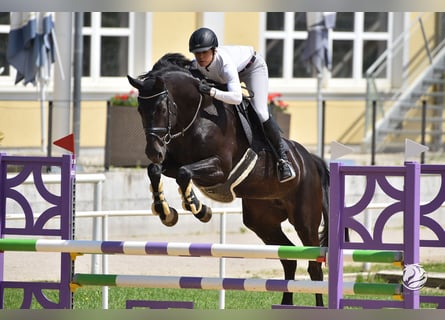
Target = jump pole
(204,283)
(371,288)
(194,250)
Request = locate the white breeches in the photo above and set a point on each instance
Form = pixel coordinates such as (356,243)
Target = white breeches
(256,79)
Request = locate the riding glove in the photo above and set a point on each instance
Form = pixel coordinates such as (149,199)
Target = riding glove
(206,88)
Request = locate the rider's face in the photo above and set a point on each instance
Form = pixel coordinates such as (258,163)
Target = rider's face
(204,58)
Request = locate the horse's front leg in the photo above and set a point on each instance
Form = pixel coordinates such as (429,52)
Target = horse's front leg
(206,171)
(168,215)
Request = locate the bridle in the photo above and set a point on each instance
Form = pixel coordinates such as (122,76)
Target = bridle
(167,136)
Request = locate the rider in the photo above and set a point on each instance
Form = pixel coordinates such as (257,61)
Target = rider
(230,65)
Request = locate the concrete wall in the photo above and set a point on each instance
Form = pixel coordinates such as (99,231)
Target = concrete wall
(127,189)
(18,118)
(20,124)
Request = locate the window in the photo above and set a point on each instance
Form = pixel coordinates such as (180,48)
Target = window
(106,43)
(357,40)
(4,33)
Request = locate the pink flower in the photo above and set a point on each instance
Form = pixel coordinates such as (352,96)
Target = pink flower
(125,99)
(275,104)
(271,97)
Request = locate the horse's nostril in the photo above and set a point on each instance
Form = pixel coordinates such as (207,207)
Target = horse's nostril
(154,153)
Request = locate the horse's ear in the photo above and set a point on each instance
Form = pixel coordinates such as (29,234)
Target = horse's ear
(136,83)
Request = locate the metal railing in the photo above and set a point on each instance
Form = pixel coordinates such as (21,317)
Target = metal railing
(418,62)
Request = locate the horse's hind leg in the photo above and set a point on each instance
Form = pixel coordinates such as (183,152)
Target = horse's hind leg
(308,233)
(264,218)
(168,215)
(275,236)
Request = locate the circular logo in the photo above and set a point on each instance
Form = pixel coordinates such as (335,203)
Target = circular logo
(414,277)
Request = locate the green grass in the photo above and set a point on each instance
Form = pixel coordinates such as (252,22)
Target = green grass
(90,298)
(203,299)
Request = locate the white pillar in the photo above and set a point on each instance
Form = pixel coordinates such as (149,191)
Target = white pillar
(61,124)
(214,21)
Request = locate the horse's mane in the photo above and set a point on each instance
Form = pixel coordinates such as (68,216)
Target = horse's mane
(169,62)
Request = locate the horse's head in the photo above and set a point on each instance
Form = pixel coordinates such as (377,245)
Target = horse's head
(154,111)
(160,93)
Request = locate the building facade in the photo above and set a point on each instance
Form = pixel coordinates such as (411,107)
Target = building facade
(116,44)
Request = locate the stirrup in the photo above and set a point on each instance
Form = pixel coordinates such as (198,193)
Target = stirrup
(285,171)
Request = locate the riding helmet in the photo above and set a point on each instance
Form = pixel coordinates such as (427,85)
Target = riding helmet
(202,39)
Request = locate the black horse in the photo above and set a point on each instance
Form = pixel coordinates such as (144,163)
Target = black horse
(193,138)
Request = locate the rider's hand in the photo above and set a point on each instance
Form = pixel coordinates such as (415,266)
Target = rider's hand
(206,88)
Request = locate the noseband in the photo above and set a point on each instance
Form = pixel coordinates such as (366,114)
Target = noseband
(157,131)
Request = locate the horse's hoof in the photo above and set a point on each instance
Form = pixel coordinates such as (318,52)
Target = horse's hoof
(171,219)
(205,214)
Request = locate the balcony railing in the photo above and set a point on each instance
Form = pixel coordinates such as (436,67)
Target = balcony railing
(418,61)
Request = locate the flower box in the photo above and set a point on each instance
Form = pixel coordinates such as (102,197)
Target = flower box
(125,138)
(277,109)
(283,120)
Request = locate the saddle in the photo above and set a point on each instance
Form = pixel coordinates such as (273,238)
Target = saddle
(255,135)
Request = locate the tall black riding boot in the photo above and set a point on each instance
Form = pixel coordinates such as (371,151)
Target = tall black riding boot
(272,131)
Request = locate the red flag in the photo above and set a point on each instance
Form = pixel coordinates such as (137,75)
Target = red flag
(66,143)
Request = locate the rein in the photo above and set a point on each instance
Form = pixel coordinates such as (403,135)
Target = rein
(153,96)
(168,137)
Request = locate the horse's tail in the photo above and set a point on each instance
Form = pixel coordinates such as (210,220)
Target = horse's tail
(325,181)
(325,184)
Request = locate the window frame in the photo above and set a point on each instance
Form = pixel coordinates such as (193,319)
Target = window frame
(357,83)
(96,82)
(6,79)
